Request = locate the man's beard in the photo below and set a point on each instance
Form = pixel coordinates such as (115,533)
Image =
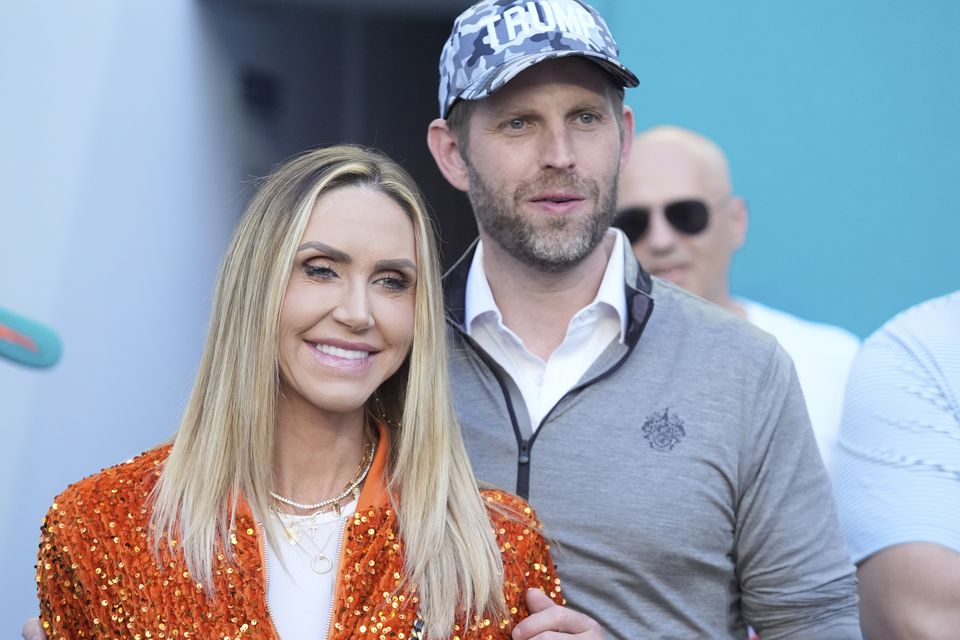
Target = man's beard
(551,244)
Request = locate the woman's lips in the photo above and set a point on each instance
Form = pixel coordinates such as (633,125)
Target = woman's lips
(347,358)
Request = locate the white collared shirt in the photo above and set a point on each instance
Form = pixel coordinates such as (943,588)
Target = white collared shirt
(590,332)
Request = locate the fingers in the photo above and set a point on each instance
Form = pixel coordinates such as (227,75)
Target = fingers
(32,630)
(538,601)
(550,621)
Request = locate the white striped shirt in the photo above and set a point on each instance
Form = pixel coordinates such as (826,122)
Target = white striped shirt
(897,475)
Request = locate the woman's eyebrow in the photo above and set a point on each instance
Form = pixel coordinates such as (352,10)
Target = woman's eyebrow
(326,249)
(399,264)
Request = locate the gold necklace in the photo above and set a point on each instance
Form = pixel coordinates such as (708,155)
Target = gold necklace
(294,532)
(352,488)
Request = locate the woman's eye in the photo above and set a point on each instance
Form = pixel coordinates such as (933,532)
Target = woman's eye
(395,283)
(319,271)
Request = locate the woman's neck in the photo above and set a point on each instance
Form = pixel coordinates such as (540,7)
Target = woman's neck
(317,456)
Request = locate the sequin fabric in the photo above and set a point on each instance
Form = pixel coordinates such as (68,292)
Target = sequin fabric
(97,576)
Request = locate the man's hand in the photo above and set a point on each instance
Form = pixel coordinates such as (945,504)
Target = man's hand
(32,630)
(550,621)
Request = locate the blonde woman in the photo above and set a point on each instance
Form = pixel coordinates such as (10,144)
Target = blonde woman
(317,486)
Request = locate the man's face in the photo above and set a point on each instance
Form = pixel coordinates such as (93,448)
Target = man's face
(662,172)
(543,158)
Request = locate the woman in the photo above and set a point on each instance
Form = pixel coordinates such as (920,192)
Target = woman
(317,486)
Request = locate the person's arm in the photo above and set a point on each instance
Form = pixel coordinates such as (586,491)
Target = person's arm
(910,592)
(896,483)
(548,613)
(796,577)
(59,588)
(531,586)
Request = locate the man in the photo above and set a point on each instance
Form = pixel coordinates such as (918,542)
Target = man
(898,473)
(678,209)
(663,441)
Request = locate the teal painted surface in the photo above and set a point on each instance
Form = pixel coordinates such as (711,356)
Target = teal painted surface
(842,125)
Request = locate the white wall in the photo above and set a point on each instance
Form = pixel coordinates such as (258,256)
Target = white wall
(118,178)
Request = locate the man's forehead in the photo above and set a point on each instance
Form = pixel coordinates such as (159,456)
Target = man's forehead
(578,76)
(663,171)
(675,150)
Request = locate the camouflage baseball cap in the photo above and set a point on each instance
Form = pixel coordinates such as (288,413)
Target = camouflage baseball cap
(494,40)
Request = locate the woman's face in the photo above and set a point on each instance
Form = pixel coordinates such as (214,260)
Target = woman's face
(347,318)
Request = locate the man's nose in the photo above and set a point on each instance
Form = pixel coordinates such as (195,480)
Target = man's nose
(661,236)
(557,151)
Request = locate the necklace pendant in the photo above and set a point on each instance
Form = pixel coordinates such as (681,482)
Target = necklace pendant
(291,536)
(321,564)
(336,508)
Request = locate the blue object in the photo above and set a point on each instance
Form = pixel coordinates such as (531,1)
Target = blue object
(27,342)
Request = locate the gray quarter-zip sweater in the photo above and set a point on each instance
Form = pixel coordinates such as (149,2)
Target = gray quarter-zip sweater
(679,481)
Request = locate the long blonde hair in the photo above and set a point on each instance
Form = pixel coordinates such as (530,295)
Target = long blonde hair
(224,446)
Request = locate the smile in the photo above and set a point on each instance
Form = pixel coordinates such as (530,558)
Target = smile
(346,360)
(337,352)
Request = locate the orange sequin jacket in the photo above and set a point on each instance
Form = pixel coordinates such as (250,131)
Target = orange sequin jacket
(97,576)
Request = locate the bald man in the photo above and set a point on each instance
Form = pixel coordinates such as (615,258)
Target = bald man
(678,208)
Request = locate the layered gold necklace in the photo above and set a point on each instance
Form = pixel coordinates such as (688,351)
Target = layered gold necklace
(351,489)
(303,531)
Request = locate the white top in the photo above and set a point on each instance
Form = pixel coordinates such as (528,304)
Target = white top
(299,598)
(822,355)
(897,476)
(591,330)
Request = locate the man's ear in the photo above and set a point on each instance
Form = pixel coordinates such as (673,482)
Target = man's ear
(628,134)
(445,149)
(739,221)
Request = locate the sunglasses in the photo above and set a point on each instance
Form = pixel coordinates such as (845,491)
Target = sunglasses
(689,217)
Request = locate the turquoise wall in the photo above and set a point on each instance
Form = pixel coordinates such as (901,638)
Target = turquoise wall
(842,124)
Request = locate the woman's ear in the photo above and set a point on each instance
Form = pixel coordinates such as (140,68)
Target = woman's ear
(445,148)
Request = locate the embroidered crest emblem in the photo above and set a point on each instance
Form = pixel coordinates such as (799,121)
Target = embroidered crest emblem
(663,431)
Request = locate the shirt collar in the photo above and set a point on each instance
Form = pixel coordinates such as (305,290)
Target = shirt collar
(611,287)
(479,298)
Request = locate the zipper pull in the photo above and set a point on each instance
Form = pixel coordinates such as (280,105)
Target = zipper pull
(524,456)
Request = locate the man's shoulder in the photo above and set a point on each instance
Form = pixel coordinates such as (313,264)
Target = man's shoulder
(794,331)
(934,320)
(683,311)
(924,338)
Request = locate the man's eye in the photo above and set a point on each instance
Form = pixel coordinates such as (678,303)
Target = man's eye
(587,118)
(516,124)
